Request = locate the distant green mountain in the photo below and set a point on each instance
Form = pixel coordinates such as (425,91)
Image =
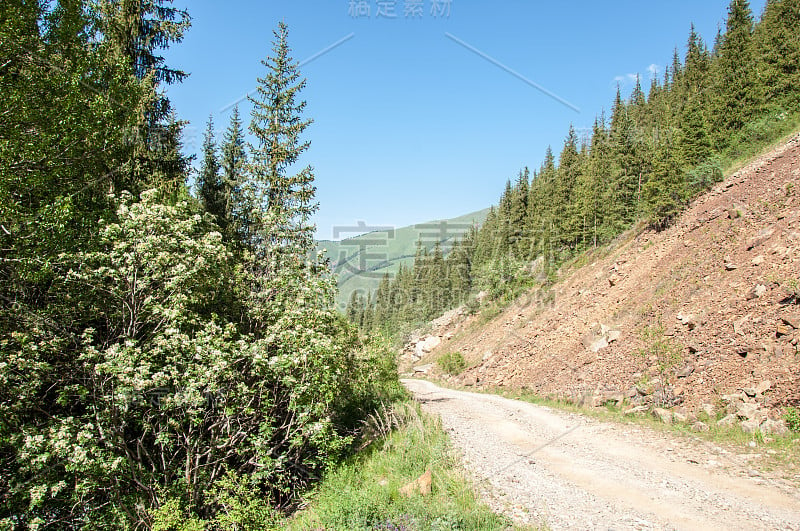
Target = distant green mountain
(360,262)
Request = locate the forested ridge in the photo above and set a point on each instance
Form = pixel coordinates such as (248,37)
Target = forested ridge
(656,151)
(165,360)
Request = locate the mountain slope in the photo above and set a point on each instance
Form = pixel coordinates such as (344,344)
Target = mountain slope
(360,262)
(703,313)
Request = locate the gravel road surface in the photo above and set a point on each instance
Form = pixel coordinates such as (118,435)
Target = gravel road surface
(566,471)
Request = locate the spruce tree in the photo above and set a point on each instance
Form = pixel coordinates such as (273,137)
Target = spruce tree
(622,195)
(736,95)
(138,30)
(594,186)
(777,40)
(695,122)
(209,184)
(234,176)
(519,211)
(277,125)
(665,193)
(565,214)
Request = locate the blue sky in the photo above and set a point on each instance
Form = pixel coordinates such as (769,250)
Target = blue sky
(411,122)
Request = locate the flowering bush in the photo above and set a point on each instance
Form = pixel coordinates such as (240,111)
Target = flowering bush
(157,397)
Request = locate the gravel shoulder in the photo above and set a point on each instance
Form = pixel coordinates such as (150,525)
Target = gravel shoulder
(546,467)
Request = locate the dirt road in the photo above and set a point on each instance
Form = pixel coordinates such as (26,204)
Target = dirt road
(566,471)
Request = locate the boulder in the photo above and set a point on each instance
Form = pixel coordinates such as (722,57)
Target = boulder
(756,292)
(423,369)
(749,391)
(791,320)
(638,410)
(762,236)
(598,344)
(430,343)
(776,427)
(729,420)
(688,320)
(664,415)
(750,412)
(709,410)
(700,426)
(421,485)
(751,426)
(763,387)
(686,371)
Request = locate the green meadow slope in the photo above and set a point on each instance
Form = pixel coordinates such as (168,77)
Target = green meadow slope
(360,262)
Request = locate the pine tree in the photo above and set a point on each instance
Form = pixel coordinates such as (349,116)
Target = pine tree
(737,96)
(277,125)
(566,217)
(209,183)
(233,166)
(138,30)
(777,39)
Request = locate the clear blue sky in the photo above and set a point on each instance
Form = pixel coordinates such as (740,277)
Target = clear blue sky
(411,125)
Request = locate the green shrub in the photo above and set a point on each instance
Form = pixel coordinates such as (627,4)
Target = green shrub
(452,362)
(703,176)
(792,418)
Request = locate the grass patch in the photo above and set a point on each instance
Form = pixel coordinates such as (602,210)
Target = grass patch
(452,363)
(760,137)
(364,493)
(792,418)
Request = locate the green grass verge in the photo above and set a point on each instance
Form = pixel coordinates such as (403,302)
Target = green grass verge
(364,493)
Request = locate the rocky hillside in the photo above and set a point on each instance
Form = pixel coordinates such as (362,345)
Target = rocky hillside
(703,316)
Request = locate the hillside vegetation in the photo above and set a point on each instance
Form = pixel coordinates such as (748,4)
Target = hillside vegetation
(701,319)
(656,152)
(359,263)
(166,361)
